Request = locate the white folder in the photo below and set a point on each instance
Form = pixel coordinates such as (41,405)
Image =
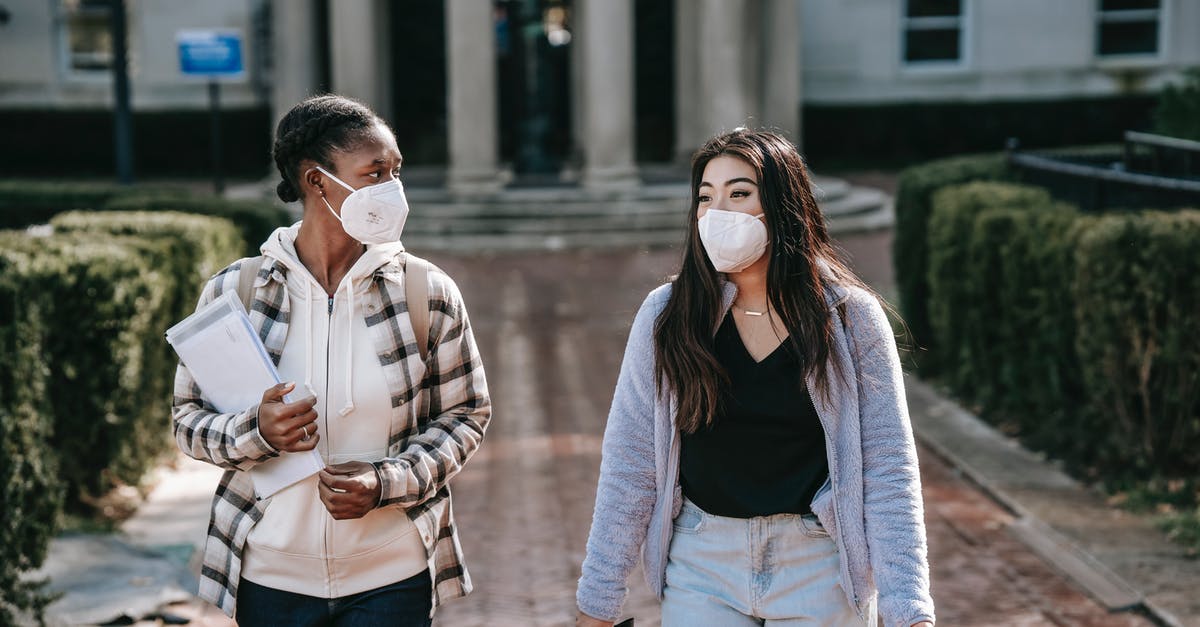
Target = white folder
(230,364)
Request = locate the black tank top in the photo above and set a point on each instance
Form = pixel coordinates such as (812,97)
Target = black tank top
(766,453)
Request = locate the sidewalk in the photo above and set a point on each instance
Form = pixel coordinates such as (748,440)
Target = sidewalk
(1119,558)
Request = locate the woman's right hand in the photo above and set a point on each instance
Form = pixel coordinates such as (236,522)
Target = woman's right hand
(288,427)
(583,620)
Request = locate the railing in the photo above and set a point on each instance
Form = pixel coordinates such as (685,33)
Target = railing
(1168,155)
(1120,179)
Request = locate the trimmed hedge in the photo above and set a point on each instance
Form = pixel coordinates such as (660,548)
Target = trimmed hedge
(193,247)
(256,219)
(957,311)
(27,202)
(125,278)
(914,198)
(1078,332)
(31,491)
(1026,356)
(84,405)
(1137,293)
(109,300)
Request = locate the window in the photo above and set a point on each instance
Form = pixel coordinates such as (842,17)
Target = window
(1127,27)
(88,35)
(933,31)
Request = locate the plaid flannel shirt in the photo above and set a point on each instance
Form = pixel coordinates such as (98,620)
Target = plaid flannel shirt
(430,439)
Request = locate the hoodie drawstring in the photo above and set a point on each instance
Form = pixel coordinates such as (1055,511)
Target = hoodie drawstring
(349,406)
(308,346)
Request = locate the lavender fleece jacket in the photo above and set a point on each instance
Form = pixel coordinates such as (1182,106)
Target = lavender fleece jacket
(871,507)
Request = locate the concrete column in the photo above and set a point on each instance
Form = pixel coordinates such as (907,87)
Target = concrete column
(689,126)
(360,53)
(605,41)
(727,82)
(781,65)
(471,97)
(294,71)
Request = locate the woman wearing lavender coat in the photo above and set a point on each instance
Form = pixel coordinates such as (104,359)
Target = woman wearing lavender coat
(758,454)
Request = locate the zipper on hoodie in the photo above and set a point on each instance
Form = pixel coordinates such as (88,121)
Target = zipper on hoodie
(328,445)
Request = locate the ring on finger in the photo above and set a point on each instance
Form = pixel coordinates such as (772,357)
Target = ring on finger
(305,429)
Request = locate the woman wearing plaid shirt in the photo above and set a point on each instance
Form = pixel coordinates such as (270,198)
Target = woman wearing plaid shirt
(758,454)
(371,539)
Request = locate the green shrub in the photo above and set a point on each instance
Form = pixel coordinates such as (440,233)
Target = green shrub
(84,403)
(1178,112)
(911,250)
(169,256)
(194,247)
(110,305)
(1023,334)
(25,202)
(30,489)
(1137,305)
(256,219)
(957,313)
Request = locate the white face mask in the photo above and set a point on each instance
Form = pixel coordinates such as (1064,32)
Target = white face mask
(733,240)
(374,214)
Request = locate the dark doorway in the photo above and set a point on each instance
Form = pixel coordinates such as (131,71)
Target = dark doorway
(654,79)
(418,79)
(533,55)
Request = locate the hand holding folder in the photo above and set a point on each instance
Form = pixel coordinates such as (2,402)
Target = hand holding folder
(225,356)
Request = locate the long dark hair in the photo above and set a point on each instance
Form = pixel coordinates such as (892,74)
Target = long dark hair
(312,130)
(803,264)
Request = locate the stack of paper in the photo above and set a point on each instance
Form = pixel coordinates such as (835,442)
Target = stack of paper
(230,364)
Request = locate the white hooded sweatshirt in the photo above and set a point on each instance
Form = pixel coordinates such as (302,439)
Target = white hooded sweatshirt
(298,546)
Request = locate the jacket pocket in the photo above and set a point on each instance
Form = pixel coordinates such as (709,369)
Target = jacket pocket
(822,506)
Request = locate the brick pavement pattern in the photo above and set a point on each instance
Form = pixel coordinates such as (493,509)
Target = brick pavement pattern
(552,329)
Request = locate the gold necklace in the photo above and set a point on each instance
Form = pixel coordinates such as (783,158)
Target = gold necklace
(748,312)
(754,330)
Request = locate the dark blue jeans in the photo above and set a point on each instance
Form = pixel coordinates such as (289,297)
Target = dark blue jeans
(404,604)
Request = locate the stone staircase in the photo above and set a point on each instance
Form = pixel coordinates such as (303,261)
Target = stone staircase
(557,218)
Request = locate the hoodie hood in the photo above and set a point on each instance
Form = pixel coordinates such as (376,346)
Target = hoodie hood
(281,246)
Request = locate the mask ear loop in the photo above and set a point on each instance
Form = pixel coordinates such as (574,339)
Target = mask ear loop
(326,200)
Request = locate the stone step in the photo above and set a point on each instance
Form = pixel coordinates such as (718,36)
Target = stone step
(547,224)
(557,217)
(880,217)
(482,242)
(855,201)
(827,188)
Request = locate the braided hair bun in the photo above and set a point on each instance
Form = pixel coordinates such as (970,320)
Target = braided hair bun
(312,130)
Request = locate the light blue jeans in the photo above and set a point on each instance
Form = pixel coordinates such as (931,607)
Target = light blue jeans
(768,570)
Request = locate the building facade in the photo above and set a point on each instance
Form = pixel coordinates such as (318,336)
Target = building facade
(590,91)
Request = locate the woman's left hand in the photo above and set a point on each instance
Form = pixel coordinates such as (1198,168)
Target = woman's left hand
(349,490)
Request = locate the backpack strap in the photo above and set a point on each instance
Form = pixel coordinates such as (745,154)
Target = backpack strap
(246,275)
(416,291)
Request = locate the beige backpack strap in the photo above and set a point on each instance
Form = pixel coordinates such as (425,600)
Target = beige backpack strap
(416,292)
(246,275)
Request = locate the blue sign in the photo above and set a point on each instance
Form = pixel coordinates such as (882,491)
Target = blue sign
(210,53)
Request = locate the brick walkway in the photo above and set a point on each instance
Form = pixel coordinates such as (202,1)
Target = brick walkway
(552,330)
